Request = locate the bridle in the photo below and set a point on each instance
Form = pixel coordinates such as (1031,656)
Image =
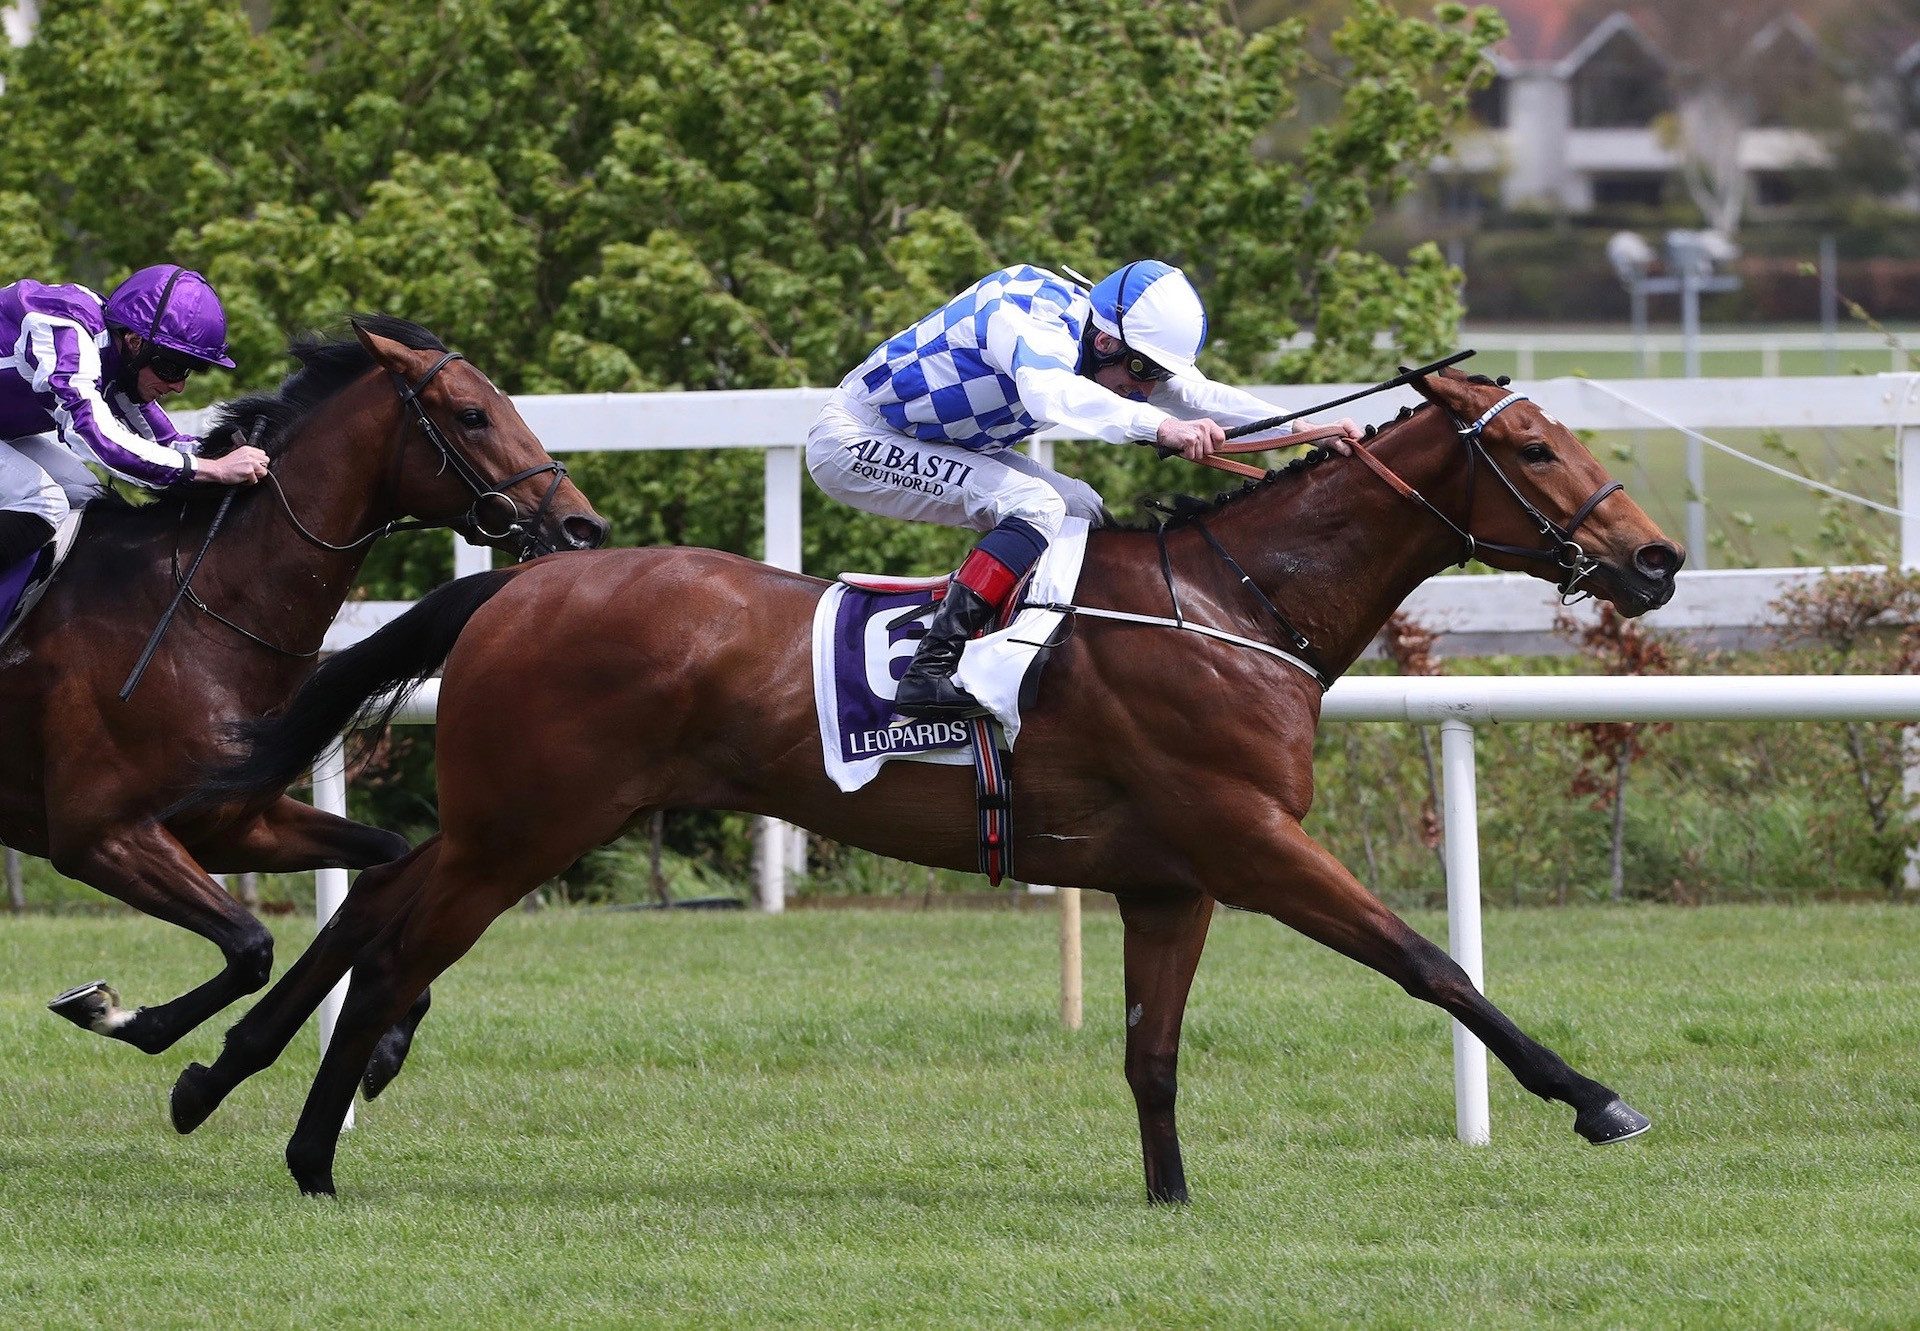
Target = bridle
(533,541)
(1562,549)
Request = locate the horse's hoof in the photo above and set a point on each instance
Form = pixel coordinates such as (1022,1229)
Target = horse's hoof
(314,1177)
(1614,1121)
(93,1006)
(193,1098)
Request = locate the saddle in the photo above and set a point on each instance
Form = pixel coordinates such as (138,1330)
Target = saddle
(865,631)
(22,586)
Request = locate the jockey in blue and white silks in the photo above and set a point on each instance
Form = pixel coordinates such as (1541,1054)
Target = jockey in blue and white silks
(80,382)
(923,428)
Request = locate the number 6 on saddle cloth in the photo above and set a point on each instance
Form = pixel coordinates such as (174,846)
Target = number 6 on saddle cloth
(864,634)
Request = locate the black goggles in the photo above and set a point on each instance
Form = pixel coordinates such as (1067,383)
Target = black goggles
(170,367)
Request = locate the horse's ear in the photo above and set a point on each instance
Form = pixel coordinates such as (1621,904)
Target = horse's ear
(402,360)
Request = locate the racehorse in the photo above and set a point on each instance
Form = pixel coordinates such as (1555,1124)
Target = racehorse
(362,434)
(1166,767)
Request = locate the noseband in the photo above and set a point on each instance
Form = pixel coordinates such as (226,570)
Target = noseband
(485,493)
(1562,550)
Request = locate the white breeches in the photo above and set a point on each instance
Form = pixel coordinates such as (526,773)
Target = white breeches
(40,477)
(859,459)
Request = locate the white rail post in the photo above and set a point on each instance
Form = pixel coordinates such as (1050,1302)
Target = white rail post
(1907,478)
(330,885)
(781,849)
(1072,1006)
(470,558)
(1458,795)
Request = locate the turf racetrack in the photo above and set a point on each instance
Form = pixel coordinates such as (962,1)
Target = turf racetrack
(875,1119)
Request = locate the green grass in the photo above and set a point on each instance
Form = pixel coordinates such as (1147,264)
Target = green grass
(875,1119)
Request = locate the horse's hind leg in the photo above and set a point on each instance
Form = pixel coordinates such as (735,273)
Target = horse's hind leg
(259,1038)
(292,837)
(146,868)
(1164,939)
(1301,885)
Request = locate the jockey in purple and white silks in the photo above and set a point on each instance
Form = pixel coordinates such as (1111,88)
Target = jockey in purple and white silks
(924,427)
(81,381)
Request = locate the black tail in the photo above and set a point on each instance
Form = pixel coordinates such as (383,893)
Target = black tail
(352,687)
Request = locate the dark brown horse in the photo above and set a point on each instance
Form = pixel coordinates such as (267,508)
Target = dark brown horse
(1167,768)
(366,432)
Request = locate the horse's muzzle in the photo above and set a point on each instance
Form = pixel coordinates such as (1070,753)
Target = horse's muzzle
(1648,581)
(585,531)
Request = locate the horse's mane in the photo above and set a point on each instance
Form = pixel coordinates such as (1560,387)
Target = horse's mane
(326,367)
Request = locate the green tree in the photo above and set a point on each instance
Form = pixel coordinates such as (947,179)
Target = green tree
(596,195)
(617,195)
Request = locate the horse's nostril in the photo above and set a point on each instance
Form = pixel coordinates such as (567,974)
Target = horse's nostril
(586,533)
(1658,559)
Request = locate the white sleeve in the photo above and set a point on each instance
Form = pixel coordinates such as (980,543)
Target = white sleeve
(1040,355)
(1193,396)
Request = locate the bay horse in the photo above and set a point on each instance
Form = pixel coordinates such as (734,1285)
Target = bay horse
(364,433)
(1167,768)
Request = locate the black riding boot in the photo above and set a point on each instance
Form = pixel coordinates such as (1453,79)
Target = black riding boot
(927,691)
(21,534)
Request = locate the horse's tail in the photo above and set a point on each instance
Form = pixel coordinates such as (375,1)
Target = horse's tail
(365,684)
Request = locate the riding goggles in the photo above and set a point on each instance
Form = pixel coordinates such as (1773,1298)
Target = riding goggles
(171,367)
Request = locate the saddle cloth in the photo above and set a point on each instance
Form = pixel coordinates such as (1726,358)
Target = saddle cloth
(22,585)
(864,639)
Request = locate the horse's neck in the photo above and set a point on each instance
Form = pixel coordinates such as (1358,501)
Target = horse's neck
(1337,550)
(261,572)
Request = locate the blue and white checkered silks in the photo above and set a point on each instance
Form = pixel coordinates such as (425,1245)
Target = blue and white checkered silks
(950,377)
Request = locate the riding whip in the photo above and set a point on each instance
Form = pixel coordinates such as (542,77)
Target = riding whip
(213,529)
(1404,377)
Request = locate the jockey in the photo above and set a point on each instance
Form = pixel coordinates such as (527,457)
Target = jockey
(81,381)
(924,427)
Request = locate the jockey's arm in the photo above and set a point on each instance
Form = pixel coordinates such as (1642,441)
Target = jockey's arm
(1195,397)
(65,362)
(1041,355)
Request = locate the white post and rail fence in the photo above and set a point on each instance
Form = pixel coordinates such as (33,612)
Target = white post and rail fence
(1456,705)
(1472,612)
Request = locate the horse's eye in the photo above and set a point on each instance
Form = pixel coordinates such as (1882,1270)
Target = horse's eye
(1536,453)
(472,418)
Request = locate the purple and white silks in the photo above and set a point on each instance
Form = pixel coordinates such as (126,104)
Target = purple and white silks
(57,368)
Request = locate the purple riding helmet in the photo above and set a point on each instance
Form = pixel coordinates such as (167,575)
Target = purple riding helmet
(173,307)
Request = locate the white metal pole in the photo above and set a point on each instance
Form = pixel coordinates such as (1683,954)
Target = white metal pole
(330,885)
(1072,1006)
(1470,1115)
(1696,451)
(1907,480)
(780,848)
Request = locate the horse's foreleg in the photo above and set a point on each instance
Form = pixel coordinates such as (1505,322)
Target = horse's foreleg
(433,930)
(1295,880)
(257,1039)
(294,837)
(146,868)
(1164,939)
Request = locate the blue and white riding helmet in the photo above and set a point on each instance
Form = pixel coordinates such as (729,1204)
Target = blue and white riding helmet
(1154,311)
